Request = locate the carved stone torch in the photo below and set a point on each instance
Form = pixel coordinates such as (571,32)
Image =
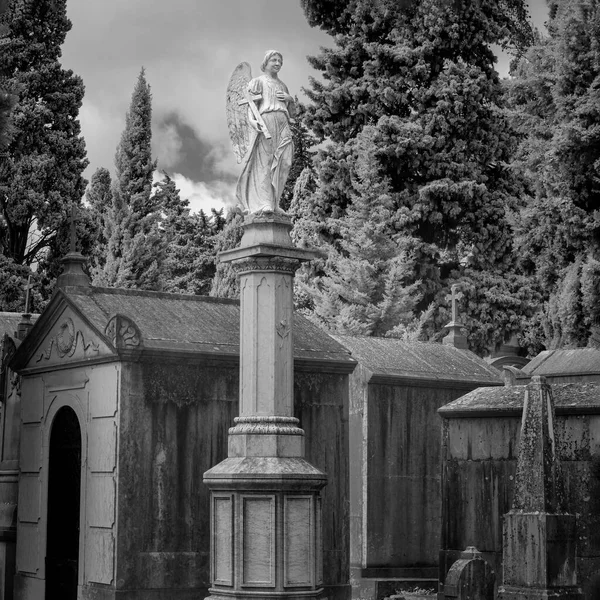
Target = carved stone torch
(265,497)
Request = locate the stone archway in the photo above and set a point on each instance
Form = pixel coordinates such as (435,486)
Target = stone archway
(64,493)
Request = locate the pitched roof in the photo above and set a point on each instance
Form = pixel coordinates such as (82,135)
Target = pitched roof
(569,398)
(566,362)
(9,322)
(186,323)
(389,358)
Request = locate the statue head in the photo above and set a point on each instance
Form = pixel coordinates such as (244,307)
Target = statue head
(268,56)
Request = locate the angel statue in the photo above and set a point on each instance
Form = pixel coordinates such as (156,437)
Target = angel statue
(259,113)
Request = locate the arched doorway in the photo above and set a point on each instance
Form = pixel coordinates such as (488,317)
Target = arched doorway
(64,490)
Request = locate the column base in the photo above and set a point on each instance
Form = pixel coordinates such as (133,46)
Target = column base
(265,528)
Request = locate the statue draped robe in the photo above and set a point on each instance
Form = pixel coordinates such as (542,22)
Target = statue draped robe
(266,166)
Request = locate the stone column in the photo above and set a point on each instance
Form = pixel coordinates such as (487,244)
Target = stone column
(540,537)
(265,497)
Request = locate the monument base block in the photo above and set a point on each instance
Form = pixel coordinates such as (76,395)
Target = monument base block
(265,528)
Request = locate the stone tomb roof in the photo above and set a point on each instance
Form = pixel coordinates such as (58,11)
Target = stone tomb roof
(9,322)
(175,325)
(569,398)
(565,362)
(391,360)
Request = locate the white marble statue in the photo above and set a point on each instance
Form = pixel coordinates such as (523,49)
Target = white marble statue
(259,113)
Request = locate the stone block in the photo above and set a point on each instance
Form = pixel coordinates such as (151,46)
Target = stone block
(101,501)
(258,541)
(102,445)
(539,549)
(32,400)
(99,555)
(30,490)
(31,449)
(28,559)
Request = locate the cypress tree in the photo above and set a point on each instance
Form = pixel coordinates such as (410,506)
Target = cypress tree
(136,247)
(35,203)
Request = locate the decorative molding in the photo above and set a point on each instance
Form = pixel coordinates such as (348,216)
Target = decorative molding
(275,263)
(66,341)
(123,332)
(283,329)
(266,426)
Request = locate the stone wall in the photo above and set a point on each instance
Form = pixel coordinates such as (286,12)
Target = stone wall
(174,424)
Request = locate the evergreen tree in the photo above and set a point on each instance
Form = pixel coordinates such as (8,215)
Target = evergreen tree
(7,100)
(554,100)
(413,86)
(35,203)
(303,141)
(225,283)
(136,246)
(190,259)
(99,199)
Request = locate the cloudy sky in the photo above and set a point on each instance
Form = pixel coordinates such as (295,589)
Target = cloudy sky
(189,49)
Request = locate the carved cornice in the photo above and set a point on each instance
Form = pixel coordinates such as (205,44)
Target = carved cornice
(266,426)
(123,332)
(278,264)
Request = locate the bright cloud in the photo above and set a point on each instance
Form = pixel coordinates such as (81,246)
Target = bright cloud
(203,195)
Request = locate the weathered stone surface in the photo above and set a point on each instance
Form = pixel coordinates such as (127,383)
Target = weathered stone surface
(539,484)
(540,538)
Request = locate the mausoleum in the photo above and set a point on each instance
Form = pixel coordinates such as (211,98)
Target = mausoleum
(126,399)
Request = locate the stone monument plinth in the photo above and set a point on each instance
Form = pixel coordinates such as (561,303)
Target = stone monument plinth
(540,537)
(265,497)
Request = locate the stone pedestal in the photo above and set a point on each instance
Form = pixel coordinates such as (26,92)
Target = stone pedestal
(265,498)
(540,537)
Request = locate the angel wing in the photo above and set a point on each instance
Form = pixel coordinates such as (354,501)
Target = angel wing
(237,116)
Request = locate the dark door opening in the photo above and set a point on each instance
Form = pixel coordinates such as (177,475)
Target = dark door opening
(64,489)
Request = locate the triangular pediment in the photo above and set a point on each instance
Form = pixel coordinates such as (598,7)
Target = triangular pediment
(61,335)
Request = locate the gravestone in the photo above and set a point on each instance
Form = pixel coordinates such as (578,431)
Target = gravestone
(470,578)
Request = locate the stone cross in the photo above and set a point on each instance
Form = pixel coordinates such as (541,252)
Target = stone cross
(73,243)
(28,286)
(455,296)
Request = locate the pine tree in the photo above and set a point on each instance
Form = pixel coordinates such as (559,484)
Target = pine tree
(554,100)
(35,203)
(413,84)
(136,247)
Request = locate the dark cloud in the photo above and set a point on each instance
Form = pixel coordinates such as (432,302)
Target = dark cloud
(180,149)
